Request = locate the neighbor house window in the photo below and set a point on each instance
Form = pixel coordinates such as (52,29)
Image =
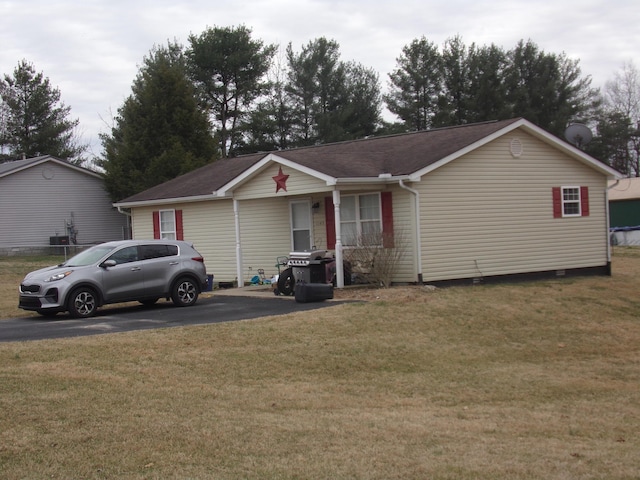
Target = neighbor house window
(360,219)
(167,224)
(570,202)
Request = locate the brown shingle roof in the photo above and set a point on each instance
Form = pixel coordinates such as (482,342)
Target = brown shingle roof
(401,154)
(202,181)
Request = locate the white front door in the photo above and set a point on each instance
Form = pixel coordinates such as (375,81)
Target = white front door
(301,233)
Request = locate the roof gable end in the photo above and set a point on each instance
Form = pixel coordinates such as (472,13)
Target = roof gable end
(15,166)
(271,158)
(533,130)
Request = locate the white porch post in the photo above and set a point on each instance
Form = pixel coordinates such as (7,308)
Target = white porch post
(339,263)
(236,214)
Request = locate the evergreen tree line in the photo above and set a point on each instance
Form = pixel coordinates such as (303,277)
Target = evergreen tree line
(257,100)
(226,93)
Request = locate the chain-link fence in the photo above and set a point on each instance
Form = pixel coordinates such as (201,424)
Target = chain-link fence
(64,251)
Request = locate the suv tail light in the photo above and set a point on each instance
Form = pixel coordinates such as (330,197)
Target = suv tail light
(197,259)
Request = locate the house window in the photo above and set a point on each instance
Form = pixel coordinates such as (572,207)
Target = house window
(360,219)
(301,225)
(168,224)
(570,202)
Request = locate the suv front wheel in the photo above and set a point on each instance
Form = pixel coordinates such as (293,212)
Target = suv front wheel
(184,292)
(83,303)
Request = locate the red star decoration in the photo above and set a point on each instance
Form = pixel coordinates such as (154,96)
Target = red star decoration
(281,181)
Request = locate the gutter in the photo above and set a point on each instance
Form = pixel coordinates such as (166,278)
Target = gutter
(164,201)
(123,210)
(383,178)
(416,196)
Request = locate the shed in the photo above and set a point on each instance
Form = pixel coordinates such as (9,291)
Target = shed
(624,211)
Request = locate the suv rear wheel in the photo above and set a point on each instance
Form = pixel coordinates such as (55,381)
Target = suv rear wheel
(83,303)
(184,292)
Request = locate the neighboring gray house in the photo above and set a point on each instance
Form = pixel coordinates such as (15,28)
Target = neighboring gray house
(45,197)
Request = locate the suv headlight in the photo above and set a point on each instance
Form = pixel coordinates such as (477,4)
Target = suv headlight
(59,276)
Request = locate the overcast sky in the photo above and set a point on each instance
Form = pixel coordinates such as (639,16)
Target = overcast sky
(91,49)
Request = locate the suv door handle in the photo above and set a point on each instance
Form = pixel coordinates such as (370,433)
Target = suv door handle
(174,263)
(135,269)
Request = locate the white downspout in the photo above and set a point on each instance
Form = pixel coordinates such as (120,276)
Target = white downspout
(416,196)
(339,263)
(127,213)
(236,214)
(606,205)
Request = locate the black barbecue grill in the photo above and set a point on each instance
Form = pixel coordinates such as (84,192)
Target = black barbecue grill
(313,274)
(311,267)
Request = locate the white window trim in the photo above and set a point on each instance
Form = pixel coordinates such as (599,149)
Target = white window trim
(173,232)
(567,202)
(358,220)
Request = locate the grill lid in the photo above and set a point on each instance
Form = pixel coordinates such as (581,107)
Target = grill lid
(308,257)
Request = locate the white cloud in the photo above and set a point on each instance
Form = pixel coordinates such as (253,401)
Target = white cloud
(92,50)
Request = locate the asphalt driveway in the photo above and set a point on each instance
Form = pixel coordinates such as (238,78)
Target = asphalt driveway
(214,309)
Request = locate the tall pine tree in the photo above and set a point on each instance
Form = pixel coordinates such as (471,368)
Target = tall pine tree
(34,120)
(330,100)
(160,132)
(228,68)
(416,85)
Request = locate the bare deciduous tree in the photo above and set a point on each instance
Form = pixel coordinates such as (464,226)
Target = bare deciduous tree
(377,257)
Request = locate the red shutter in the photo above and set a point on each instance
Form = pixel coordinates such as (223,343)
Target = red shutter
(387,219)
(584,201)
(179,229)
(557,202)
(156,224)
(330,222)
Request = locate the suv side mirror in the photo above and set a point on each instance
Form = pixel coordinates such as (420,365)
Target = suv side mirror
(108,263)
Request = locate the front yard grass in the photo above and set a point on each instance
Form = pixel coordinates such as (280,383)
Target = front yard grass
(524,381)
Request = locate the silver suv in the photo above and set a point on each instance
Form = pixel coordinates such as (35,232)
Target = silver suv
(123,271)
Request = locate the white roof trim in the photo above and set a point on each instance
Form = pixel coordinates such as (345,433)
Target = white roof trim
(165,201)
(48,158)
(625,189)
(536,132)
(259,166)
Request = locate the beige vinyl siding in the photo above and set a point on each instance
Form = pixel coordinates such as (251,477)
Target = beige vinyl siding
(265,232)
(36,203)
(404,227)
(208,225)
(489,213)
(319,221)
(262,184)
(142,222)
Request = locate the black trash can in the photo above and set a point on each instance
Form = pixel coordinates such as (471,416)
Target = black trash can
(313,292)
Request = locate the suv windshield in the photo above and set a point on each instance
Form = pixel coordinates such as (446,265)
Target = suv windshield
(88,257)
